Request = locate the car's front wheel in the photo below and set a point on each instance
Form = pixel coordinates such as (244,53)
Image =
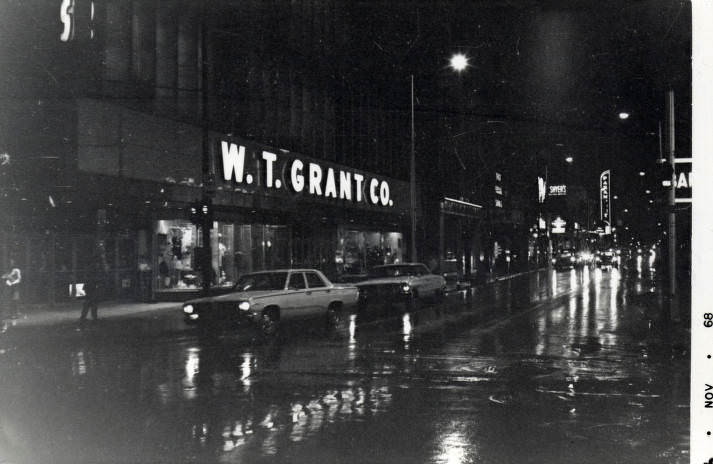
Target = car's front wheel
(412,303)
(270,322)
(334,315)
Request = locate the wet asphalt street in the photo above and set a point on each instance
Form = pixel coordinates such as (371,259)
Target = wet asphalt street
(570,367)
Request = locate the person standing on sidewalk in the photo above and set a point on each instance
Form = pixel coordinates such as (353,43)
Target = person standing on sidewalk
(11,280)
(92,289)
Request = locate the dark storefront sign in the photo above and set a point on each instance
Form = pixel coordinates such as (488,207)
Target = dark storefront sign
(459,208)
(252,168)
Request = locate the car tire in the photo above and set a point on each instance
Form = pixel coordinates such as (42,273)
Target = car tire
(270,322)
(440,294)
(361,306)
(334,317)
(412,303)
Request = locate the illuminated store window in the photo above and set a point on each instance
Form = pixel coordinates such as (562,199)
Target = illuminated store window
(236,249)
(359,251)
(176,243)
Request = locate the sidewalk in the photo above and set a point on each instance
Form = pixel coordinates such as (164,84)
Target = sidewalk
(67,312)
(36,315)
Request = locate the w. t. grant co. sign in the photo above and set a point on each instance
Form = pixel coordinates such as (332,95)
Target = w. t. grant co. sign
(251,168)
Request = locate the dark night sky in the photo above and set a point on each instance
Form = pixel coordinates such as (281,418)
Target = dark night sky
(562,68)
(557,72)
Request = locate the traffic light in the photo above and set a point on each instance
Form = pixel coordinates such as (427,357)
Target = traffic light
(201,212)
(193,213)
(207,211)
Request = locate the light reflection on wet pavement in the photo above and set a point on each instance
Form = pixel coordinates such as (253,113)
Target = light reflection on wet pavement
(558,369)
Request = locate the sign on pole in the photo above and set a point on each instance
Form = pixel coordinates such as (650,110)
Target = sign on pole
(541,190)
(605,197)
(683,178)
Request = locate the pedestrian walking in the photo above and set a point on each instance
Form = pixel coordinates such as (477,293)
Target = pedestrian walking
(92,289)
(12,280)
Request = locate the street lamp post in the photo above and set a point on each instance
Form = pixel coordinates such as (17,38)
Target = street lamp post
(459,63)
(412,180)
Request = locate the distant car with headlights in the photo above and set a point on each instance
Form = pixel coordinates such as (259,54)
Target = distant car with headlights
(584,258)
(400,283)
(270,298)
(607,260)
(564,260)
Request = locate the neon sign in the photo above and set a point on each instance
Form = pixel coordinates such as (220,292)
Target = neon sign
(66,15)
(604,200)
(303,177)
(558,190)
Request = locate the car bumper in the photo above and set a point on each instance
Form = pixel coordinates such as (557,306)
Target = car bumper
(375,296)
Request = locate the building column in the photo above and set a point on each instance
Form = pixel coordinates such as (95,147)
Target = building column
(441,238)
(51,268)
(117,280)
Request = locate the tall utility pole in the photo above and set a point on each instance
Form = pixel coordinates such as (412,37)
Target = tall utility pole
(412,183)
(548,221)
(671,135)
(206,163)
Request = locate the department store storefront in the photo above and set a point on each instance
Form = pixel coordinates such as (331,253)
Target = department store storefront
(272,208)
(282,210)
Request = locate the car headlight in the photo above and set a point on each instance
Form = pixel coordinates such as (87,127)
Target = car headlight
(244,305)
(188,309)
(405,287)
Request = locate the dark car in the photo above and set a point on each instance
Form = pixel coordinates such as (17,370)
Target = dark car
(565,260)
(400,283)
(607,260)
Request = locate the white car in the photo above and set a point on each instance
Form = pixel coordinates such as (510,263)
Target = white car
(269,298)
(400,283)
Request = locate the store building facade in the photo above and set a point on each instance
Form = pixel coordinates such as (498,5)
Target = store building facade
(105,118)
(271,208)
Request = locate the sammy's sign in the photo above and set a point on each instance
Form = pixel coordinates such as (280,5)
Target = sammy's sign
(245,165)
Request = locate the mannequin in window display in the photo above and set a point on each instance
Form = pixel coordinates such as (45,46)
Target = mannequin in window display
(220,271)
(163,272)
(177,244)
(374,256)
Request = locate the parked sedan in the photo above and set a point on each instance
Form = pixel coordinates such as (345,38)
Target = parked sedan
(270,298)
(400,283)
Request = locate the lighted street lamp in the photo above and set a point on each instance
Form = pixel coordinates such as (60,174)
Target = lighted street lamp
(459,62)
(623,115)
(569,159)
(642,173)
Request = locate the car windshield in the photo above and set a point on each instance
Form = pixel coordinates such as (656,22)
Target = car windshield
(396,271)
(261,281)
